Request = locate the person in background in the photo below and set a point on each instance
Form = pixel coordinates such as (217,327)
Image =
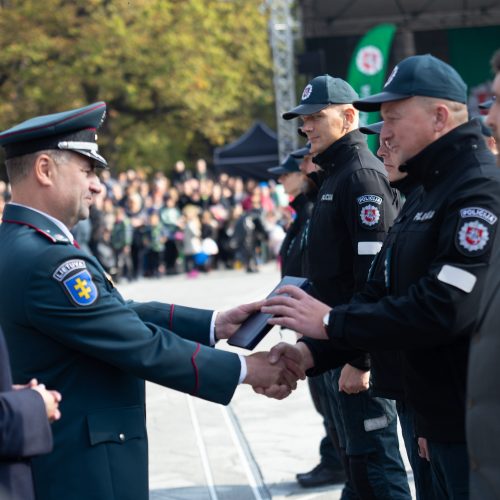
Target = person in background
(386,367)
(294,174)
(483,428)
(25,414)
(154,244)
(355,208)
(121,241)
(439,275)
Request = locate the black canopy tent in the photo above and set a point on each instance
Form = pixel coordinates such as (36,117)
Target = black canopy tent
(250,155)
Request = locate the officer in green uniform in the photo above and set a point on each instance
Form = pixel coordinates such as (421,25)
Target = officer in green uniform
(67,325)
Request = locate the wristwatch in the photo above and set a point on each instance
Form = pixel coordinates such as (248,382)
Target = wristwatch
(326,321)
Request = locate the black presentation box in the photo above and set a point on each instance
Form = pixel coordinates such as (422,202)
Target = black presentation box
(253,330)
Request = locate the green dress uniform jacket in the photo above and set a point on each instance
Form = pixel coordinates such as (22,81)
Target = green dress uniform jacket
(67,325)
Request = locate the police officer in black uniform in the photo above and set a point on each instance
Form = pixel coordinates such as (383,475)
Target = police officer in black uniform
(354,210)
(483,436)
(298,174)
(440,270)
(386,366)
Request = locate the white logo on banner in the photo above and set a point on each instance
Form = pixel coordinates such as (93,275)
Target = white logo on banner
(369,60)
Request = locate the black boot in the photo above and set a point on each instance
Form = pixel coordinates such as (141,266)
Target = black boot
(321,475)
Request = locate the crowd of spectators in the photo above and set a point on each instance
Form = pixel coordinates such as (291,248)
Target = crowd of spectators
(191,221)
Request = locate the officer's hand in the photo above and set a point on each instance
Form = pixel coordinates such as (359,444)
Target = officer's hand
(293,308)
(274,380)
(297,359)
(32,383)
(352,380)
(423,449)
(227,322)
(51,400)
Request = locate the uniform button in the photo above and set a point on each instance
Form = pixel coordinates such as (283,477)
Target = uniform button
(121,437)
(473,464)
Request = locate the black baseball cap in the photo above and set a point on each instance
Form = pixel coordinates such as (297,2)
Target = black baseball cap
(287,167)
(319,93)
(372,128)
(423,75)
(301,152)
(486,104)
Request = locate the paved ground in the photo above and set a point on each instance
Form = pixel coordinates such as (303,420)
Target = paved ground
(249,450)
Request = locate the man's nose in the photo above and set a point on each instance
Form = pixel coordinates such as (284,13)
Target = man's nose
(96,185)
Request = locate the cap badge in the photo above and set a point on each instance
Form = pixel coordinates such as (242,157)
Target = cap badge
(307,92)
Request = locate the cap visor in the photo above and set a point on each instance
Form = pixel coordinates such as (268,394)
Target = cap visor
(372,128)
(277,170)
(300,153)
(373,102)
(304,109)
(486,104)
(99,161)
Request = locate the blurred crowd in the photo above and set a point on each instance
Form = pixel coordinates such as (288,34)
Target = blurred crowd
(191,221)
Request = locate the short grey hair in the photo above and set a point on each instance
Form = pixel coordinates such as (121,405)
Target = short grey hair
(19,167)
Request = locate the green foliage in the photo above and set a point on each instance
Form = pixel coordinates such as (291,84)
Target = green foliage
(179,76)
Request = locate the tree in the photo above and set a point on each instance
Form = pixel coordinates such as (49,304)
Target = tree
(179,76)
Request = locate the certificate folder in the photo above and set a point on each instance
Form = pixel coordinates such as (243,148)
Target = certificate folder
(253,330)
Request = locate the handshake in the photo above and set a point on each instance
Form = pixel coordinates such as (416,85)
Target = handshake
(275,373)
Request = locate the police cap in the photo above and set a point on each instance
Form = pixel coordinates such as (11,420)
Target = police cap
(372,128)
(73,130)
(319,93)
(289,166)
(423,75)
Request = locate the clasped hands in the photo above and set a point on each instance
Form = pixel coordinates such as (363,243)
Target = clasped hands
(51,398)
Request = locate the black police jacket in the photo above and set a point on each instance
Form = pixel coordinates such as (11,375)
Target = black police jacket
(292,248)
(439,279)
(386,378)
(355,208)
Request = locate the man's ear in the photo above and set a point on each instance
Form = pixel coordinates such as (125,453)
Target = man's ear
(349,116)
(44,169)
(440,118)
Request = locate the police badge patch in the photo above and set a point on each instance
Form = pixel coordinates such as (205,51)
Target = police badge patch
(77,282)
(473,236)
(475,231)
(370,206)
(370,215)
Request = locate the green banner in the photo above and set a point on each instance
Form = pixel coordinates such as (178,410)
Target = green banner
(368,69)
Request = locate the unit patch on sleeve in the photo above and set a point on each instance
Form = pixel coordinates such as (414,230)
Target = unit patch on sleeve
(369,210)
(475,231)
(77,282)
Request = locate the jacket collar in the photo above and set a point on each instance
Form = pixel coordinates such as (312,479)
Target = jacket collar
(299,201)
(436,161)
(19,214)
(341,150)
(406,185)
